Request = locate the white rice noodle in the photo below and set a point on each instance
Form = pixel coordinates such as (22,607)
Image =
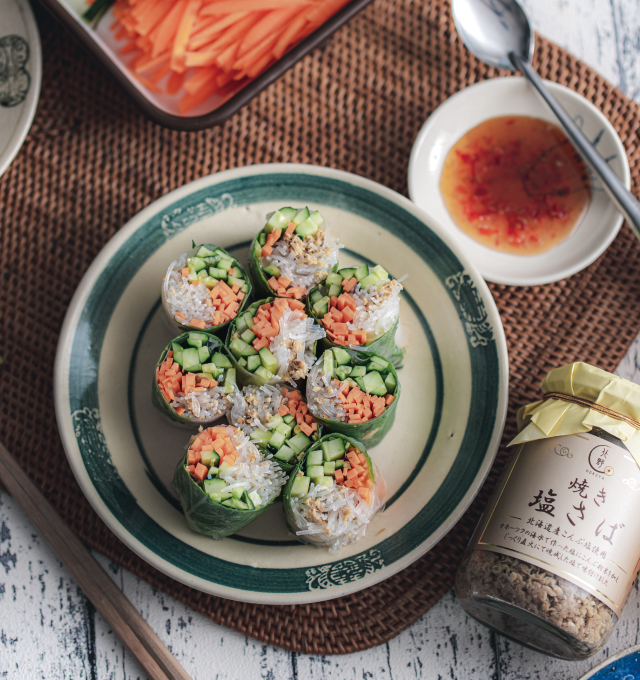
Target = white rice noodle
(333,517)
(377,308)
(322,394)
(252,470)
(295,341)
(303,269)
(180,296)
(254,406)
(205,406)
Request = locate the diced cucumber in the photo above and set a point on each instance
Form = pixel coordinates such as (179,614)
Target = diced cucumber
(230,503)
(209,458)
(321,307)
(225,264)
(360,383)
(257,248)
(213,471)
(272,270)
(223,468)
(255,498)
(362,272)
(315,457)
(346,273)
(358,371)
(380,272)
(285,453)
(195,368)
(339,463)
(334,290)
(203,354)
(274,422)
(229,380)
(285,429)
(240,348)
(197,263)
(276,221)
(240,505)
(210,368)
(203,276)
(374,384)
(289,419)
(329,468)
(215,486)
(268,360)
(370,280)
(342,372)
(176,347)
(217,273)
(306,228)
(248,336)
(342,357)
(210,282)
(190,357)
(242,362)
(204,252)
(316,295)
(326,481)
(301,216)
(277,439)
(237,273)
(288,214)
(177,356)
(253,362)
(264,373)
(299,443)
(327,362)
(248,319)
(261,436)
(241,324)
(247,501)
(378,364)
(262,239)
(333,279)
(390,383)
(316,217)
(300,487)
(234,281)
(315,472)
(333,449)
(237,492)
(196,339)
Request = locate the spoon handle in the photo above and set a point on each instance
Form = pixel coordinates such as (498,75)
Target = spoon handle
(618,193)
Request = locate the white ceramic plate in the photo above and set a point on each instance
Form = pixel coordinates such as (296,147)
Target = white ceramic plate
(513,96)
(20,76)
(434,460)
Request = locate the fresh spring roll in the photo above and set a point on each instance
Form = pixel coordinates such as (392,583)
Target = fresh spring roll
(194,379)
(360,307)
(277,420)
(205,290)
(292,254)
(224,481)
(273,342)
(354,393)
(333,493)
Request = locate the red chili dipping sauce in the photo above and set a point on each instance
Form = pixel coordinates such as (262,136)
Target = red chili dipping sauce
(515,184)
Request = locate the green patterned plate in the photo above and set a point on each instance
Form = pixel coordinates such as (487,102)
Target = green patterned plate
(434,460)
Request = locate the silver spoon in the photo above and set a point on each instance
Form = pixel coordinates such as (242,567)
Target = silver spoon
(498,32)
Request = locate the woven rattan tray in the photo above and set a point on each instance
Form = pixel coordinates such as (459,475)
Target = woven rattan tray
(92,161)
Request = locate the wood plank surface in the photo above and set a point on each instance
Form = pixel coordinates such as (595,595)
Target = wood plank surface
(49,630)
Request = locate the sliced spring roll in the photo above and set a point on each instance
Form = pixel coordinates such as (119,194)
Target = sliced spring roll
(354,393)
(194,379)
(333,493)
(292,254)
(359,307)
(277,420)
(205,289)
(224,481)
(273,342)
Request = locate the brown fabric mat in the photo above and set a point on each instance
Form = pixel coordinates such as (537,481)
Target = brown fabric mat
(92,161)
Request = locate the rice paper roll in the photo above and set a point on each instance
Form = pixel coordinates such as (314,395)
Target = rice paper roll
(194,379)
(360,307)
(333,493)
(272,342)
(354,393)
(205,289)
(293,253)
(277,420)
(225,482)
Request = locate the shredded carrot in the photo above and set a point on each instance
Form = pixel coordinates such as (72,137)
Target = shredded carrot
(238,39)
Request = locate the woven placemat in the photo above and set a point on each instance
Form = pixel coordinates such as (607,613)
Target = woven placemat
(92,161)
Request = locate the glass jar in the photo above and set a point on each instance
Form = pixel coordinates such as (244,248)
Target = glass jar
(556,552)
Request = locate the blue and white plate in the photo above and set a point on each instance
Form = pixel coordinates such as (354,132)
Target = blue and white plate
(624,665)
(434,460)
(20,76)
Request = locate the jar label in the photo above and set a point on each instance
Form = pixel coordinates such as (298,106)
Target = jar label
(570,505)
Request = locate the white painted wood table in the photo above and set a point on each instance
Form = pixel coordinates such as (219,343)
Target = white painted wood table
(49,630)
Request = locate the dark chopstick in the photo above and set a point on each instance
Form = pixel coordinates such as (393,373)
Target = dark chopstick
(123,618)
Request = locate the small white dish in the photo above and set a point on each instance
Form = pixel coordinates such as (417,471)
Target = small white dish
(20,76)
(513,96)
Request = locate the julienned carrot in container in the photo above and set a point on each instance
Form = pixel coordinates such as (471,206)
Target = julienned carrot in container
(293,253)
(194,380)
(277,419)
(354,393)
(273,342)
(333,493)
(224,481)
(208,47)
(360,307)
(205,290)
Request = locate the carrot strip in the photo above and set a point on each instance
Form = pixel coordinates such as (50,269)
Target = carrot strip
(227,6)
